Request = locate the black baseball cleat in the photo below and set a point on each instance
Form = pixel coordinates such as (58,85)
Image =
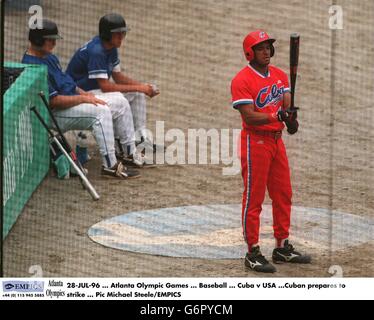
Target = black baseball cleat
(119,171)
(288,254)
(145,143)
(256,261)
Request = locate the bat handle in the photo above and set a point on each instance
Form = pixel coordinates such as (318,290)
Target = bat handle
(33,108)
(293,86)
(67,145)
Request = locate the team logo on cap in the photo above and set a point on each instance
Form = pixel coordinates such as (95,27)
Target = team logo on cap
(262,35)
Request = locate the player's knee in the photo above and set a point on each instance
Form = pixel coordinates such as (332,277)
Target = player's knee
(122,105)
(123,102)
(118,99)
(140,96)
(103,113)
(117,96)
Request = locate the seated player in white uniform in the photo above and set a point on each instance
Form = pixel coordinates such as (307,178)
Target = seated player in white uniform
(97,61)
(74,108)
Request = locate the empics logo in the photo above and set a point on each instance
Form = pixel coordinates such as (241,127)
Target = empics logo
(23,286)
(8,286)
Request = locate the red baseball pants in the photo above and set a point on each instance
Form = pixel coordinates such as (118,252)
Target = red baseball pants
(264,165)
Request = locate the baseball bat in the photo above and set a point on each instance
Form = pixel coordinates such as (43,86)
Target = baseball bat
(65,143)
(85,182)
(80,172)
(294,61)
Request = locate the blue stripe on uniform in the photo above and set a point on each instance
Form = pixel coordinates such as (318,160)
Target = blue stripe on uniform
(96,119)
(235,104)
(249,175)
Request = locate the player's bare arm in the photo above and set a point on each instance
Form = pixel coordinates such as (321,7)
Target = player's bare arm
(81,91)
(121,78)
(252,117)
(107,86)
(286,100)
(65,102)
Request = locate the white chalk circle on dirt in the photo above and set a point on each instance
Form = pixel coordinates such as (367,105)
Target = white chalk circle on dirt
(215,232)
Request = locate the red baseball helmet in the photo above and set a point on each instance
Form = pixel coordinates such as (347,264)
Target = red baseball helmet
(253,39)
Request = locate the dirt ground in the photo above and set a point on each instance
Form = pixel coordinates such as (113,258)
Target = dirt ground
(192,50)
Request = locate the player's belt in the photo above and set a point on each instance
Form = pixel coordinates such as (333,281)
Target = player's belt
(266,133)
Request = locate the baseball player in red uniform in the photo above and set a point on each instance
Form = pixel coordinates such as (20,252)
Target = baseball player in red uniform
(261,93)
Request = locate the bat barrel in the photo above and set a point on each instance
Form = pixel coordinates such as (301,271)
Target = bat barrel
(294,61)
(294,49)
(86,183)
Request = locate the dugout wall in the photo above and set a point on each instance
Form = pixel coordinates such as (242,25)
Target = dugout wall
(25,142)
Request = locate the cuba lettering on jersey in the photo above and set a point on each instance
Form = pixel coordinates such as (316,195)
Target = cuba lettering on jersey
(59,83)
(265,92)
(91,62)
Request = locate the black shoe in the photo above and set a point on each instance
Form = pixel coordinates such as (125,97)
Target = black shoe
(137,160)
(145,143)
(119,171)
(288,254)
(256,261)
(132,173)
(119,155)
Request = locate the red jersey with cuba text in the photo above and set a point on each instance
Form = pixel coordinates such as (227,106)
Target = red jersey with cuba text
(265,92)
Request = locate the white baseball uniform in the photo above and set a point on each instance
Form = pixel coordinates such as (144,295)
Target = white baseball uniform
(84,116)
(92,62)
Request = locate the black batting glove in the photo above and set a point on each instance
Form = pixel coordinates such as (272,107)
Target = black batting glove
(287,115)
(293,115)
(282,115)
(292,126)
